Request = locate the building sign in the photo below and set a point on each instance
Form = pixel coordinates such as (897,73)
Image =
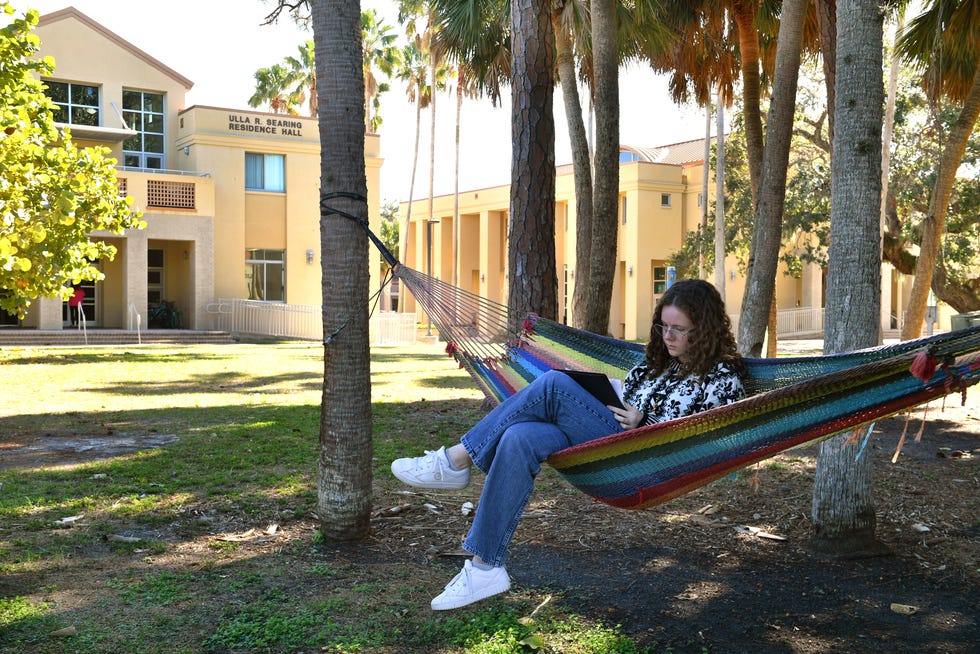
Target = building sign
(265,125)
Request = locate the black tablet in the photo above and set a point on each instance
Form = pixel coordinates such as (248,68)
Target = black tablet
(597,384)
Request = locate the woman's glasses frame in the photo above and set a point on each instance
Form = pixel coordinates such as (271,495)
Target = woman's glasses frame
(667,330)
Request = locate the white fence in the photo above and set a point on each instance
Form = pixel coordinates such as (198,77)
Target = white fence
(799,322)
(301,321)
(793,323)
(391,328)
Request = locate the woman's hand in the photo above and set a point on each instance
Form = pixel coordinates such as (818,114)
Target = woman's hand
(627,418)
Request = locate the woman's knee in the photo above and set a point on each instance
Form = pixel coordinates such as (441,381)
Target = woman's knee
(532,442)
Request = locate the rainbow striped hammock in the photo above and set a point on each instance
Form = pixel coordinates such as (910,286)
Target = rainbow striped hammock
(791,401)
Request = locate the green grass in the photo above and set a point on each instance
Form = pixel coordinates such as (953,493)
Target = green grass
(143,571)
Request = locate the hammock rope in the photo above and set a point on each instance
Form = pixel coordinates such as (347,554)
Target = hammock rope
(792,401)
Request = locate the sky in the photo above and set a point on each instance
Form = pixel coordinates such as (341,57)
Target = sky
(219,44)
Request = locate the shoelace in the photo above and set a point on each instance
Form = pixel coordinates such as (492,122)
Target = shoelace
(431,462)
(454,585)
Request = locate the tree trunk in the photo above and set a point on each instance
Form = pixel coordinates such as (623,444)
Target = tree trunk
(432,160)
(935,223)
(407,231)
(582,168)
(748,44)
(767,226)
(720,200)
(460,81)
(605,212)
(344,467)
(533,283)
(827,24)
(843,508)
(705,169)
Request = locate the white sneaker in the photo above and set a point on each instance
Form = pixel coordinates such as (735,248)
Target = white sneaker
(430,471)
(471,585)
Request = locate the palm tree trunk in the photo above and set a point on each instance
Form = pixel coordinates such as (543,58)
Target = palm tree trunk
(843,508)
(767,226)
(582,168)
(720,199)
(460,81)
(748,44)
(344,470)
(827,24)
(432,155)
(705,169)
(605,211)
(407,231)
(533,282)
(935,223)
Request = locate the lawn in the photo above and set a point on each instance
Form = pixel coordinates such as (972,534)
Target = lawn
(162,499)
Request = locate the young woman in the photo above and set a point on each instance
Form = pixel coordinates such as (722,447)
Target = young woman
(691,365)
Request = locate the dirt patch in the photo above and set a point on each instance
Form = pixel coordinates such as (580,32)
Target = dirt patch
(47,450)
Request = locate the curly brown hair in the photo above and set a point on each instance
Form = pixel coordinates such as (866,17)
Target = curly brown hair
(710,341)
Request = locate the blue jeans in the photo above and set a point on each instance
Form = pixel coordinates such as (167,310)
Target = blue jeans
(509,444)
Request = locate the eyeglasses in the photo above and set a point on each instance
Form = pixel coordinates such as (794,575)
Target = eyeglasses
(666,330)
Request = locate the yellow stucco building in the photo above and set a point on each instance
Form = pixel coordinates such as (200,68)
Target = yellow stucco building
(230,197)
(659,202)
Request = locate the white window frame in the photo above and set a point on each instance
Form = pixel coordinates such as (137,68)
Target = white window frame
(138,118)
(266,261)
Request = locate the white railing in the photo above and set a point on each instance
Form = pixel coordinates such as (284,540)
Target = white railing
(793,323)
(799,322)
(301,321)
(134,316)
(393,328)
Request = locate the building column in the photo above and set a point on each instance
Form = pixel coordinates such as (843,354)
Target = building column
(886,296)
(134,284)
(48,312)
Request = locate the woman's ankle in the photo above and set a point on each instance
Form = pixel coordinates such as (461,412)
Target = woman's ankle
(458,457)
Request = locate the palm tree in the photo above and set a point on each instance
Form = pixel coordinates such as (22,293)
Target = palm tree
(533,284)
(768,224)
(344,463)
(465,87)
(379,54)
(944,42)
(272,87)
(302,75)
(710,26)
(564,20)
(843,509)
(605,196)
(414,71)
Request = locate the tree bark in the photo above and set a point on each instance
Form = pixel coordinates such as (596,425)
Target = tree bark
(605,213)
(582,169)
(748,44)
(767,226)
(533,283)
(345,449)
(935,223)
(843,507)
(827,24)
(720,280)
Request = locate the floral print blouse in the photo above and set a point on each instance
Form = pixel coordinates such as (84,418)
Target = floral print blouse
(669,395)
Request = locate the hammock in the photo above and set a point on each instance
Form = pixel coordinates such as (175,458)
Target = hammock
(790,402)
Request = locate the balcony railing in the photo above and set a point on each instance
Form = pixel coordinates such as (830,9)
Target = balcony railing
(167,190)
